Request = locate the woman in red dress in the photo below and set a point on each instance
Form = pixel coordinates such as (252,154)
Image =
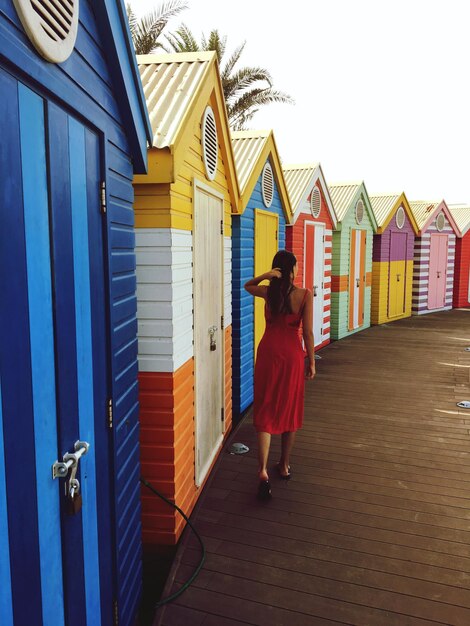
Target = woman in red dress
(281,367)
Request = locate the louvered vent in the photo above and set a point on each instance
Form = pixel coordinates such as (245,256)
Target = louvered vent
(440,222)
(210,146)
(400,217)
(359,211)
(267,185)
(51,26)
(315,202)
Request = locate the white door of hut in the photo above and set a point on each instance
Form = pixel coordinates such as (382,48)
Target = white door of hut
(208,331)
(318,288)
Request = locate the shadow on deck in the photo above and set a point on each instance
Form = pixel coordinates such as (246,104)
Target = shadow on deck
(374,527)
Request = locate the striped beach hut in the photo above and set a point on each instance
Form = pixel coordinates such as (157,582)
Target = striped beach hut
(461,296)
(434,257)
(392,258)
(183,242)
(310,238)
(74,129)
(351,274)
(259,231)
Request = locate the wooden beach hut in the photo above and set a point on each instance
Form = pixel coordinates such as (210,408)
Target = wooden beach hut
(259,231)
(74,129)
(310,238)
(392,258)
(351,273)
(434,257)
(183,241)
(461,296)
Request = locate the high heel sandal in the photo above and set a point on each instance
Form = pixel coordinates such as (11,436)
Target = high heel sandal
(284,476)
(264,490)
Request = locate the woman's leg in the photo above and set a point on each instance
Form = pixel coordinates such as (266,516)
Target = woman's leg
(287,442)
(264,441)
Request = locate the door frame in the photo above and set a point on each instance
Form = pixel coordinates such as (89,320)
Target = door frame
(405,274)
(199,185)
(323,226)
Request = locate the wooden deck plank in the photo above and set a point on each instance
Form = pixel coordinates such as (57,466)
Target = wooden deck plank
(374,527)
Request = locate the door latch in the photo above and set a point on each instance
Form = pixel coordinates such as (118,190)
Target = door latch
(213,341)
(61,469)
(315,287)
(358,282)
(398,278)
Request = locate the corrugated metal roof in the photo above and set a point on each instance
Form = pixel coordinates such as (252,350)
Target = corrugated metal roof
(342,195)
(382,205)
(422,210)
(297,178)
(247,147)
(461,215)
(171,83)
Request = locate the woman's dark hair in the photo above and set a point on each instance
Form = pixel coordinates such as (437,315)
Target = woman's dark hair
(280,288)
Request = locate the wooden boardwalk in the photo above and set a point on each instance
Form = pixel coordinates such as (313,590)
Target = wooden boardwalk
(374,527)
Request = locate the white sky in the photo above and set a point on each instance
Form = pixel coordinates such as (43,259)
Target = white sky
(381,87)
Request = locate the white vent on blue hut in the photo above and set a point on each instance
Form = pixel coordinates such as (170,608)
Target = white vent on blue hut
(359,211)
(51,25)
(440,222)
(210,146)
(267,185)
(400,217)
(315,202)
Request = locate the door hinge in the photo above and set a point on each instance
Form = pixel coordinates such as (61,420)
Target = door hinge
(276,235)
(323,238)
(115,613)
(110,413)
(221,227)
(103,196)
(222,322)
(222,414)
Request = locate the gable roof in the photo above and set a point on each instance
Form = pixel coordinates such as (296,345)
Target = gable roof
(425,212)
(113,23)
(461,215)
(384,207)
(251,150)
(344,195)
(177,88)
(300,180)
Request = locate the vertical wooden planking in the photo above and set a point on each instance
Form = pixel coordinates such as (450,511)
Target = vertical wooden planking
(83,329)
(38,262)
(15,365)
(6,606)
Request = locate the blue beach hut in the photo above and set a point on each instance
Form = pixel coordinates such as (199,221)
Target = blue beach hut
(258,232)
(74,130)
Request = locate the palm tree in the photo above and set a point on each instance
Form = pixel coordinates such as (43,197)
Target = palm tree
(245,89)
(145,32)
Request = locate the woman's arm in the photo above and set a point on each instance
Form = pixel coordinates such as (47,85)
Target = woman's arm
(307,326)
(253,286)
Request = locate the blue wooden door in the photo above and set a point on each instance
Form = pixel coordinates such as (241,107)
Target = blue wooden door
(55,568)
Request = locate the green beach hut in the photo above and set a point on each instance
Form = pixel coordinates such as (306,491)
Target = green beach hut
(351,272)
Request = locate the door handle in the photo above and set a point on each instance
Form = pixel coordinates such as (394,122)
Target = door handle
(358,282)
(398,277)
(438,274)
(213,341)
(315,287)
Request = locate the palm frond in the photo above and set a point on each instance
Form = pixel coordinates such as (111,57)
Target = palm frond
(216,43)
(245,78)
(183,40)
(232,61)
(146,31)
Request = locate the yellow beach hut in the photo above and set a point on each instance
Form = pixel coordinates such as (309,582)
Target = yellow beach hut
(183,210)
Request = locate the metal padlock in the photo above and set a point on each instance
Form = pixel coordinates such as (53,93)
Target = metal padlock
(73,504)
(73,497)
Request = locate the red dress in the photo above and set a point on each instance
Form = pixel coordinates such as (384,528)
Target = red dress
(280,375)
